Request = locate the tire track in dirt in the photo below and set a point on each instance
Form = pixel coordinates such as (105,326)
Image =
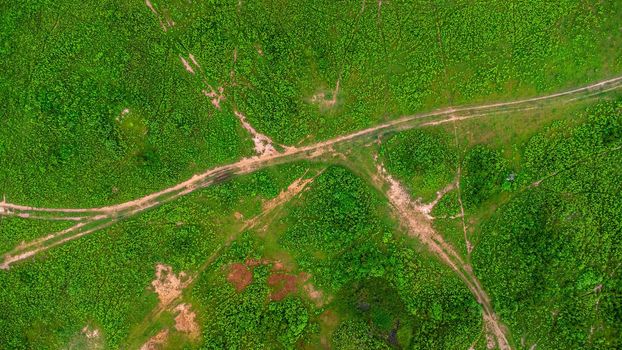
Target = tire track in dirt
(289,154)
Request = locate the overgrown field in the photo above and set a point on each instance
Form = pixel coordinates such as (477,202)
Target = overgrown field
(500,230)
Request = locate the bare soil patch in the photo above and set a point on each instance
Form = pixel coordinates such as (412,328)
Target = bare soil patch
(495,333)
(283,197)
(156,342)
(90,333)
(284,284)
(320,98)
(286,195)
(123,113)
(169,21)
(315,295)
(88,338)
(240,276)
(191,56)
(187,65)
(278,265)
(167,285)
(216,95)
(185,320)
(163,25)
(263,144)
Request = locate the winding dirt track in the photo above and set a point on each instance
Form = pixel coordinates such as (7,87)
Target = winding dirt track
(93,219)
(417,220)
(413,215)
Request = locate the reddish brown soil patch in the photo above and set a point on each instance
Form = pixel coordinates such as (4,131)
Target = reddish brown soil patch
(278,266)
(239,276)
(285,284)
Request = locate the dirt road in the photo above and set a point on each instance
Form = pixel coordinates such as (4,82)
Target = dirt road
(93,219)
(416,218)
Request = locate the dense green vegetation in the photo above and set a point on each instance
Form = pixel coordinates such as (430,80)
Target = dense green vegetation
(14,230)
(386,295)
(485,173)
(551,255)
(424,160)
(68,73)
(102,280)
(388,63)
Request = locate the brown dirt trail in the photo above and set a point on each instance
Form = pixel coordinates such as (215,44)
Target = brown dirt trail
(268,158)
(417,220)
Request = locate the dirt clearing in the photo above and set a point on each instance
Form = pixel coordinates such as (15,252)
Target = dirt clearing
(240,276)
(88,338)
(167,285)
(215,97)
(320,97)
(187,65)
(185,321)
(285,196)
(263,144)
(283,284)
(316,295)
(156,342)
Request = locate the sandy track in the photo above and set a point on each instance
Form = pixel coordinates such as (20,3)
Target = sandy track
(416,218)
(403,123)
(247,165)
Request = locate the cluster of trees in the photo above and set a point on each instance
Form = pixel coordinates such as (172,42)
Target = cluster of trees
(423,159)
(550,257)
(389,295)
(485,172)
(335,214)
